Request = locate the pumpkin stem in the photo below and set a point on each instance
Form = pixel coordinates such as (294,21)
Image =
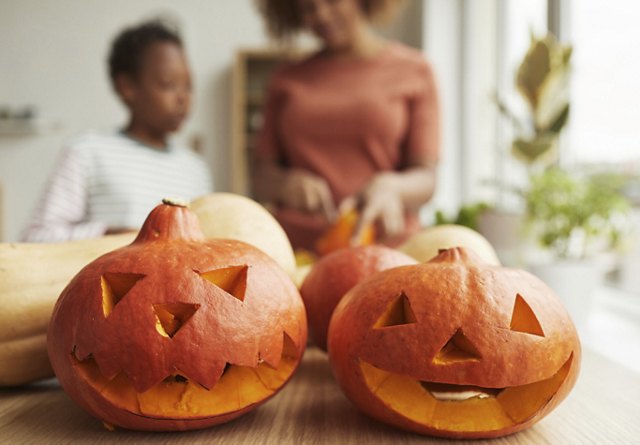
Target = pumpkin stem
(170,220)
(175,201)
(457,255)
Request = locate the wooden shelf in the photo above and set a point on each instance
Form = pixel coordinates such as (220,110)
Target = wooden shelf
(26,127)
(251,73)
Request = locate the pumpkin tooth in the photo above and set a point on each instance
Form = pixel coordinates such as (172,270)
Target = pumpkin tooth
(441,391)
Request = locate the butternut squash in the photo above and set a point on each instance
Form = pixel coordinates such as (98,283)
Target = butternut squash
(32,276)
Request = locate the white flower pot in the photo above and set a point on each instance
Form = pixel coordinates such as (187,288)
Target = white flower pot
(504,230)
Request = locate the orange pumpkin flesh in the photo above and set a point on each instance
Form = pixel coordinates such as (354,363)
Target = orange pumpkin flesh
(341,233)
(174,332)
(334,274)
(454,348)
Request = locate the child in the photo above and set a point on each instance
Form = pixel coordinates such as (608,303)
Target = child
(108,183)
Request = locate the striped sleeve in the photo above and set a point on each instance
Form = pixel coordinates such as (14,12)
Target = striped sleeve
(61,212)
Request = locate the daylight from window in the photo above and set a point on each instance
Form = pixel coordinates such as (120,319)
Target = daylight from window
(606,87)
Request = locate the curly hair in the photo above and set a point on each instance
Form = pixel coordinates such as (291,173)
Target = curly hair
(283,19)
(129,46)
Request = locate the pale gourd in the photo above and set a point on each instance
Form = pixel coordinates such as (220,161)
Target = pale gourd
(32,276)
(232,216)
(427,243)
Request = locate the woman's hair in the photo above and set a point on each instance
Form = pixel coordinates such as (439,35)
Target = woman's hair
(283,20)
(129,46)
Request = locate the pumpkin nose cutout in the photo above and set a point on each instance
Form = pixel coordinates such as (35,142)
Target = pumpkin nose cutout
(232,280)
(398,312)
(457,349)
(114,287)
(171,316)
(523,319)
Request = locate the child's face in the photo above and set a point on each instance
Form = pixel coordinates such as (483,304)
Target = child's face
(160,94)
(334,22)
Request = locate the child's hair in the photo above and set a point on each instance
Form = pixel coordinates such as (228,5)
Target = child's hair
(283,19)
(130,45)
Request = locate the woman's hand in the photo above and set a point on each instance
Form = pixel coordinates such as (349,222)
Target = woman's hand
(380,201)
(305,191)
(389,194)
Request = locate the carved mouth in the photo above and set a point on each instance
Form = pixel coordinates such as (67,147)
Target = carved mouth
(178,397)
(458,393)
(464,408)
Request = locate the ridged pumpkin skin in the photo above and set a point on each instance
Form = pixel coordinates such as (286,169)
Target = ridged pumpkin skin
(174,332)
(407,342)
(335,274)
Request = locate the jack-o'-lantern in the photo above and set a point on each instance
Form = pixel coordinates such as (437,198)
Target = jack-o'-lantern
(454,347)
(175,332)
(334,274)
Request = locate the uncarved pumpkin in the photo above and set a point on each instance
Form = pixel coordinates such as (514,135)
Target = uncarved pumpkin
(454,347)
(426,243)
(174,332)
(232,216)
(335,274)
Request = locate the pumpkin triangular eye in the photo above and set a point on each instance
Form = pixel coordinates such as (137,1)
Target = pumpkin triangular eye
(232,280)
(457,349)
(523,319)
(114,287)
(398,312)
(171,316)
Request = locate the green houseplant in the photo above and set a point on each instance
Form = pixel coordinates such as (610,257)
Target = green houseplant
(542,79)
(575,216)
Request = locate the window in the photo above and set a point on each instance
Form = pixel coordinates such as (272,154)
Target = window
(605,95)
(517,22)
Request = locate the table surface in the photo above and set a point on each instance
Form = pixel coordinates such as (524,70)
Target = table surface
(603,408)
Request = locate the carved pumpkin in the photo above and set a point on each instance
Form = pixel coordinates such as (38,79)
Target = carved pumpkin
(174,332)
(334,274)
(454,347)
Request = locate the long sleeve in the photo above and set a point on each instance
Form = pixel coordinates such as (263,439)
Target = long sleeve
(61,212)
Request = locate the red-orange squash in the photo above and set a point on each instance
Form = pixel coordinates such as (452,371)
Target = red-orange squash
(335,274)
(174,332)
(454,347)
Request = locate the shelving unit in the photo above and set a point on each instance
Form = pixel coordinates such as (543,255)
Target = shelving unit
(251,73)
(26,127)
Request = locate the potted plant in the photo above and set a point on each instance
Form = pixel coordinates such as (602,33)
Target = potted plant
(543,82)
(542,79)
(578,221)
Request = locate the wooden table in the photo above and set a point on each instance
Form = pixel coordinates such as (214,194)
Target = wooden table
(604,408)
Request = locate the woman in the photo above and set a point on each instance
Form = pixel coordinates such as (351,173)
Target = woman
(356,122)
